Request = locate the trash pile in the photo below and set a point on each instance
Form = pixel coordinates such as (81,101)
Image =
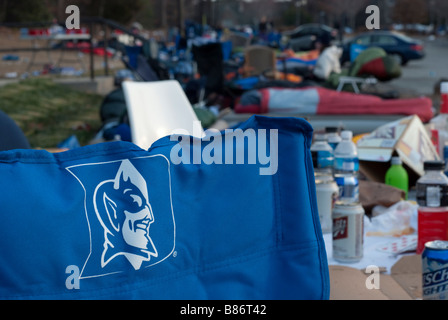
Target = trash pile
(394,186)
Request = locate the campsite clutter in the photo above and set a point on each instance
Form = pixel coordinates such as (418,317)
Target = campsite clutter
(380,194)
(365,183)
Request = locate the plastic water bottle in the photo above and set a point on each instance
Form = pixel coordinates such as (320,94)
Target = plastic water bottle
(397,176)
(322,154)
(346,168)
(432,198)
(333,137)
(346,155)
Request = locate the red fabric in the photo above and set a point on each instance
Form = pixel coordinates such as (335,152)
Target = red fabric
(375,67)
(333,102)
(97,51)
(248,108)
(255,108)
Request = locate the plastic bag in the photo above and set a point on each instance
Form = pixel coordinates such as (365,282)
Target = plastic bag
(397,220)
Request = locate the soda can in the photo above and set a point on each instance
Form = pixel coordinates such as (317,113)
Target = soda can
(435,270)
(326,194)
(348,185)
(348,232)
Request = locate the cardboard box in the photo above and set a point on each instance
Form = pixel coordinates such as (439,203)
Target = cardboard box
(406,138)
(403,283)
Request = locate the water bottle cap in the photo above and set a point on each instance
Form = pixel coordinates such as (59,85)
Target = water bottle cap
(347,135)
(396,160)
(334,139)
(320,137)
(434,165)
(334,129)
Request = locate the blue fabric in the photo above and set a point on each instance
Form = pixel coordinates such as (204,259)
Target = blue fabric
(132,224)
(355,50)
(132,52)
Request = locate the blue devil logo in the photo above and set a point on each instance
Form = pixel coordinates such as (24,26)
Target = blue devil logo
(129,213)
(123,209)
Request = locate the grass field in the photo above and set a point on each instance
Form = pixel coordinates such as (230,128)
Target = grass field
(48,112)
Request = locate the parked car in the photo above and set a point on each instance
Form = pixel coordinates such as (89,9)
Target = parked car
(404,48)
(305,36)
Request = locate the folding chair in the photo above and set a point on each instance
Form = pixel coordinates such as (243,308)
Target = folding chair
(260,61)
(158,108)
(354,81)
(114,221)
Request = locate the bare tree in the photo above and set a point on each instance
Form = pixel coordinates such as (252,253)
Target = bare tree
(343,9)
(438,11)
(410,11)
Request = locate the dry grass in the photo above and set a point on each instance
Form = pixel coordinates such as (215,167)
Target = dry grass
(48,112)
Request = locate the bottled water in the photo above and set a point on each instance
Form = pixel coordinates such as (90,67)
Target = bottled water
(333,137)
(322,154)
(346,155)
(346,168)
(333,140)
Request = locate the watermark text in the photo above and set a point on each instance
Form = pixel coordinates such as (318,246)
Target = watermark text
(235,146)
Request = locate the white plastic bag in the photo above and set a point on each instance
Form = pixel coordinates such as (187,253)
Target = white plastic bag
(397,220)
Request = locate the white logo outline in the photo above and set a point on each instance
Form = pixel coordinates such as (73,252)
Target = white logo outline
(105,239)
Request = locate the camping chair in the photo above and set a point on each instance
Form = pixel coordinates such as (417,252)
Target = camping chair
(260,61)
(158,108)
(114,221)
(211,66)
(209,61)
(354,81)
(141,68)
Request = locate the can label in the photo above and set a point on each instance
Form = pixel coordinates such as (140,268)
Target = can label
(435,282)
(340,228)
(432,195)
(435,274)
(348,233)
(348,188)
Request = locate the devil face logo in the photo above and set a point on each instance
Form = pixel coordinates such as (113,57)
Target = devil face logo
(123,208)
(129,213)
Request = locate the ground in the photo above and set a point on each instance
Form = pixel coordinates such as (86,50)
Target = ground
(78,61)
(48,112)
(423,76)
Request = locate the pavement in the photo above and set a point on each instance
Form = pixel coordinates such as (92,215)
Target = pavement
(423,76)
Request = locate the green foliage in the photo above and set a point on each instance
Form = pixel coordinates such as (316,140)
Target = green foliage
(48,112)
